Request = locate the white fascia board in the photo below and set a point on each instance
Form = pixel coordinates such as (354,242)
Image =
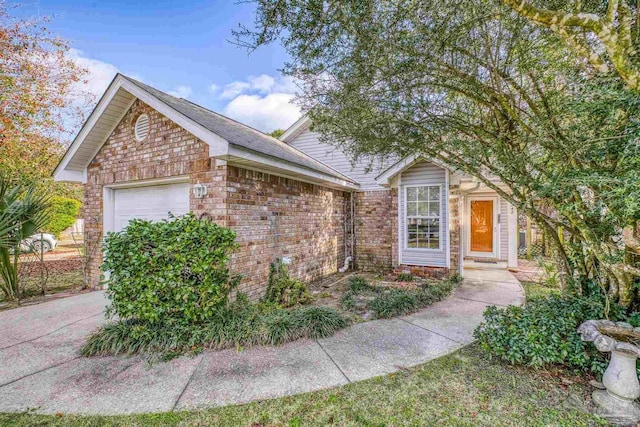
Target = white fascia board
(384,179)
(288,170)
(88,125)
(296,129)
(64,175)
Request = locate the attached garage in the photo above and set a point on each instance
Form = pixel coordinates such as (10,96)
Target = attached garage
(150,202)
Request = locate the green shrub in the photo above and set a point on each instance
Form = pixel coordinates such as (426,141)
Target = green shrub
(358,283)
(543,333)
(169,272)
(64,212)
(394,302)
(405,277)
(284,290)
(239,324)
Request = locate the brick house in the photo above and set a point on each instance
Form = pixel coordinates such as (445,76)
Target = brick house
(143,153)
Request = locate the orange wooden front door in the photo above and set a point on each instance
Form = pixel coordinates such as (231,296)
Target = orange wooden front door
(482,226)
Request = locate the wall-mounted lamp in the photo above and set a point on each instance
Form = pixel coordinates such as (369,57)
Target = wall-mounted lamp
(199,191)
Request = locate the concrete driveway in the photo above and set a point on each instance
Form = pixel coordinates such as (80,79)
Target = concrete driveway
(41,369)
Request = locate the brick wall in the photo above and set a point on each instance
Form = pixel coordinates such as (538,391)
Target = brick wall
(454,228)
(277,217)
(376,230)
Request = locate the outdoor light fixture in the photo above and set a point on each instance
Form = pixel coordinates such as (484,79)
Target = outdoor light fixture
(199,191)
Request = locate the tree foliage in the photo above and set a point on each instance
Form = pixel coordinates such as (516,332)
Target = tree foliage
(40,98)
(64,212)
(603,33)
(485,91)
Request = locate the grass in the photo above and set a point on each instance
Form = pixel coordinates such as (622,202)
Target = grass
(539,290)
(461,389)
(56,283)
(239,325)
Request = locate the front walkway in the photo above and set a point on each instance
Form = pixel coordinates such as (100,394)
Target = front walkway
(40,366)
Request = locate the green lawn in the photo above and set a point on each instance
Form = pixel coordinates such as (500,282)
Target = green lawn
(461,389)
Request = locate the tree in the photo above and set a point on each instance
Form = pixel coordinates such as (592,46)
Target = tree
(276,133)
(23,212)
(471,85)
(604,33)
(64,212)
(40,99)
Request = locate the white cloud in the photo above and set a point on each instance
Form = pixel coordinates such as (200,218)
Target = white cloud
(264,101)
(273,111)
(234,89)
(99,73)
(181,92)
(262,83)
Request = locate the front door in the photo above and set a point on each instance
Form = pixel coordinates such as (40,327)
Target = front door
(482,227)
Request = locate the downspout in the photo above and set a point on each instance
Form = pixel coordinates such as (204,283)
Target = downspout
(348,257)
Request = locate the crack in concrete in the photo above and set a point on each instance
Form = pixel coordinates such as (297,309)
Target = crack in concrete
(50,333)
(433,332)
(334,362)
(175,405)
(39,371)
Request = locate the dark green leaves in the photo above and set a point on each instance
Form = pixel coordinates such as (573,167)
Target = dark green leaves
(171,272)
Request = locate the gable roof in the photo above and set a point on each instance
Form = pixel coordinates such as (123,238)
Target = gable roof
(227,138)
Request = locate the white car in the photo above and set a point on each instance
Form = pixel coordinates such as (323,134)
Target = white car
(44,242)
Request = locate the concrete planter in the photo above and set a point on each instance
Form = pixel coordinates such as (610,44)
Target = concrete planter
(617,402)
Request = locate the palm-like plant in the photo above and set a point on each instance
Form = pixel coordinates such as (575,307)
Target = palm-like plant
(23,212)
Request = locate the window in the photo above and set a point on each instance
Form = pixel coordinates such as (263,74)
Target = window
(423,217)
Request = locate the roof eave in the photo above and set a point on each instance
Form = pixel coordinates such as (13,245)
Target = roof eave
(246,158)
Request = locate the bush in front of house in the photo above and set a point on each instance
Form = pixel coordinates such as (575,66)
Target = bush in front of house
(169,272)
(543,332)
(385,302)
(239,324)
(170,287)
(283,289)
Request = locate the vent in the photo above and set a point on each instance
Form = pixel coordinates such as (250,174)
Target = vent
(141,129)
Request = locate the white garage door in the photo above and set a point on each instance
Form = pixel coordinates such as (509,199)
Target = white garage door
(151,203)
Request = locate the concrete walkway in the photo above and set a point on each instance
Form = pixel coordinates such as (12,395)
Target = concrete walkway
(40,366)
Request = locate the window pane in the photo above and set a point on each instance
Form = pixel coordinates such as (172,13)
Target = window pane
(434,208)
(411,194)
(423,193)
(434,243)
(434,193)
(411,209)
(423,209)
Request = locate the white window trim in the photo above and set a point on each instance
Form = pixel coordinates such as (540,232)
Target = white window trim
(405,232)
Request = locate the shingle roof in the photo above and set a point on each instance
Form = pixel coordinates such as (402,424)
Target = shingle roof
(239,134)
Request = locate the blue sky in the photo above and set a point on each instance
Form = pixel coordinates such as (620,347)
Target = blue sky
(178,47)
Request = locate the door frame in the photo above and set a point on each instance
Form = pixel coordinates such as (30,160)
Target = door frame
(496,227)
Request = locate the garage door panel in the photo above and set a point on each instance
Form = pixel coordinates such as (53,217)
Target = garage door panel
(151,203)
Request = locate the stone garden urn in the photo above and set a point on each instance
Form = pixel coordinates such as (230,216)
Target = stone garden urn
(617,402)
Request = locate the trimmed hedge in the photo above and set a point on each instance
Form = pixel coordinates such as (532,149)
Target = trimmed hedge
(169,272)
